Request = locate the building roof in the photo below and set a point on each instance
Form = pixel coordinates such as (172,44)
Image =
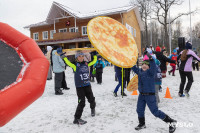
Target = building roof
(56,12)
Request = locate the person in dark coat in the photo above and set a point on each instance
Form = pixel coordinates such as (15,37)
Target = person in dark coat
(127,76)
(118,71)
(185,70)
(99,65)
(83,86)
(163,60)
(195,63)
(146,87)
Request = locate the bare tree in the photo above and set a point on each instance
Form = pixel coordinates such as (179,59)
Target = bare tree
(176,33)
(196,31)
(155,34)
(195,36)
(145,11)
(161,9)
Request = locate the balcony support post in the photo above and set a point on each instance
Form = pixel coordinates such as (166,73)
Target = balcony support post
(75,23)
(54,24)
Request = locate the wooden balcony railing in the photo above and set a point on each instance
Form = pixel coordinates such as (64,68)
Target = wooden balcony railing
(66,35)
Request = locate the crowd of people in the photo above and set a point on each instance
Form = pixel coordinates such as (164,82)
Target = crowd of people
(87,66)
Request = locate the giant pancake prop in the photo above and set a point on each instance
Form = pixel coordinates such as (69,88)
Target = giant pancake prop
(75,50)
(113,41)
(133,84)
(30,83)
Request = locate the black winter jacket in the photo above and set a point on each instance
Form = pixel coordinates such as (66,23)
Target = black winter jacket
(163,59)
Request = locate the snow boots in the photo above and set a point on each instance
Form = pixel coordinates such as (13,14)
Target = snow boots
(92,112)
(186,93)
(181,95)
(169,72)
(123,94)
(58,92)
(79,121)
(66,88)
(141,124)
(92,79)
(115,94)
(171,122)
(167,119)
(160,88)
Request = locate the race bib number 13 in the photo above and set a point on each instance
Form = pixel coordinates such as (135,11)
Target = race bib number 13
(84,76)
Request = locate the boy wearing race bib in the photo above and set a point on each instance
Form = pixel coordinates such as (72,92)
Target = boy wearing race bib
(83,86)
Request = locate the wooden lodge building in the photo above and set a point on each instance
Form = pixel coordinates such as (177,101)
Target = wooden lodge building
(68,28)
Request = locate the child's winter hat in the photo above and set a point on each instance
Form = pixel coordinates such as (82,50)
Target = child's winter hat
(49,48)
(98,57)
(149,50)
(188,45)
(78,54)
(145,58)
(59,50)
(158,49)
(174,51)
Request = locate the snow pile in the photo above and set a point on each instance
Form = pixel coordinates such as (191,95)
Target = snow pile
(54,114)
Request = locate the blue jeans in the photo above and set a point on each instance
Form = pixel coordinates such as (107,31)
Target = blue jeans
(119,84)
(150,100)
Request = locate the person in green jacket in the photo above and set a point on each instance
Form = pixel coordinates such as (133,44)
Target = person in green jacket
(83,86)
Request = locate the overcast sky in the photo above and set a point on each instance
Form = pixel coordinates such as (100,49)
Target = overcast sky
(20,13)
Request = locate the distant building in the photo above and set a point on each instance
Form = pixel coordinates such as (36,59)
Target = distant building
(68,28)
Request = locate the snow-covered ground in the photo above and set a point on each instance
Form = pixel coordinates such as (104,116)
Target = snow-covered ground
(55,114)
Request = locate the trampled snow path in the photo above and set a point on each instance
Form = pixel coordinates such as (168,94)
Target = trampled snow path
(55,114)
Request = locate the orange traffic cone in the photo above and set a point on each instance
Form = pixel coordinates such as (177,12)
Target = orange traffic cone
(167,94)
(134,93)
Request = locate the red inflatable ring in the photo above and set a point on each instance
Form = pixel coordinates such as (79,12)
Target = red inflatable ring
(31,80)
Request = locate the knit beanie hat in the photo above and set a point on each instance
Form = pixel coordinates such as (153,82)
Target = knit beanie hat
(49,48)
(145,58)
(188,45)
(158,49)
(98,57)
(149,50)
(59,50)
(78,54)
(174,51)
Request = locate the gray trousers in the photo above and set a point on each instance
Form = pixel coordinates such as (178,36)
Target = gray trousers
(50,73)
(156,94)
